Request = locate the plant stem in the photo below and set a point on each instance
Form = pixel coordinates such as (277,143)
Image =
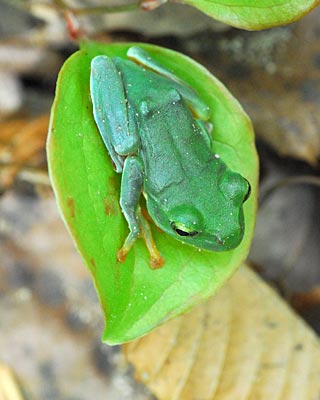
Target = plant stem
(292,180)
(98,9)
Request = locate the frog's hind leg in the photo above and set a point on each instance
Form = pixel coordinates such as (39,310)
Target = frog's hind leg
(156,261)
(131,187)
(198,107)
(110,110)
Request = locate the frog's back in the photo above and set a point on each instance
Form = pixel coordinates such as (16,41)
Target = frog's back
(173,147)
(173,143)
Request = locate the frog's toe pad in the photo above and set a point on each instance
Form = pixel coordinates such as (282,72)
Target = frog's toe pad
(156,262)
(122,255)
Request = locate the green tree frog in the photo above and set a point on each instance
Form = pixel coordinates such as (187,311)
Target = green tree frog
(155,128)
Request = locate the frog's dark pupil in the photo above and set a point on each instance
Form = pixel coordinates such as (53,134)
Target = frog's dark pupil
(180,232)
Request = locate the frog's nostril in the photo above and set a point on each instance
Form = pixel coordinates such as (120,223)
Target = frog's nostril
(219,240)
(229,241)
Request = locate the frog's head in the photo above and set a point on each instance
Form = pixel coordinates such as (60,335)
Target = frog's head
(212,221)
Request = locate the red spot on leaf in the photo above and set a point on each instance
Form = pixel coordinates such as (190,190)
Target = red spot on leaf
(70,204)
(109,207)
(93,263)
(114,183)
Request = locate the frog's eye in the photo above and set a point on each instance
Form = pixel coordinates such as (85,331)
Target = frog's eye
(235,187)
(182,230)
(248,192)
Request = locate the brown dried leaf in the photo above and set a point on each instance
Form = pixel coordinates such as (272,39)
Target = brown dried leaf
(22,144)
(245,343)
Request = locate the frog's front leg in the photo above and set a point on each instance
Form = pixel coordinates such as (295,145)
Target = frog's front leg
(110,110)
(131,188)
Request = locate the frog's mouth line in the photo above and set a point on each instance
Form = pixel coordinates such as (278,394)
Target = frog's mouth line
(217,244)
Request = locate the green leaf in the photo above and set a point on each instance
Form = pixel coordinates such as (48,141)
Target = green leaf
(134,297)
(255,14)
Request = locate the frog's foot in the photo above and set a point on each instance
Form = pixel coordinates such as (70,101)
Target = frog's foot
(156,261)
(122,255)
(142,230)
(131,238)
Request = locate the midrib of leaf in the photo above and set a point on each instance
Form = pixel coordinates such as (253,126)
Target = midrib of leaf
(237,4)
(187,343)
(168,342)
(158,299)
(230,383)
(299,369)
(200,367)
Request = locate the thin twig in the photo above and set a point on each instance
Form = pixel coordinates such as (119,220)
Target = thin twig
(292,180)
(98,9)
